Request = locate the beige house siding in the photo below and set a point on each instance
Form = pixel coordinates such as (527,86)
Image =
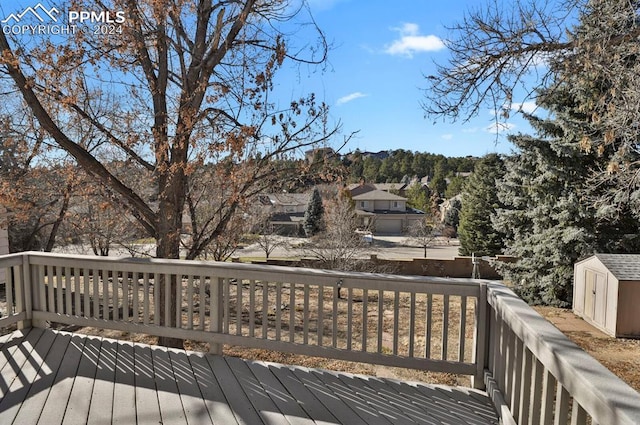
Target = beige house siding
(390,205)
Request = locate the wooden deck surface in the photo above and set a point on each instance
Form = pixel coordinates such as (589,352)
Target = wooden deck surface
(53,377)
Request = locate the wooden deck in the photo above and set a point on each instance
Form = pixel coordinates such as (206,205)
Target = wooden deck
(54,377)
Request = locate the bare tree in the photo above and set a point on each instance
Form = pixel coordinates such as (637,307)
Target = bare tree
(423,232)
(339,246)
(268,238)
(590,45)
(187,84)
(493,49)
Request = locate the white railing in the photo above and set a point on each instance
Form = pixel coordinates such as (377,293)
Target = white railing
(403,321)
(534,374)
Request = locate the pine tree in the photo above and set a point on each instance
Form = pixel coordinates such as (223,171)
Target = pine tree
(418,197)
(314,214)
(547,191)
(479,203)
(452,216)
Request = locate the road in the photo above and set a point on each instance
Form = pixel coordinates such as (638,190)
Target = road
(387,247)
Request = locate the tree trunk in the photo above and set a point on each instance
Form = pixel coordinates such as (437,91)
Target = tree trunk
(168,246)
(56,224)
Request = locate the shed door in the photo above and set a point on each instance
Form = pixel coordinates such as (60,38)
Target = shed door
(595,296)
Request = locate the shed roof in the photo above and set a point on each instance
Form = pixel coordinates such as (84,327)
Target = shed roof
(622,266)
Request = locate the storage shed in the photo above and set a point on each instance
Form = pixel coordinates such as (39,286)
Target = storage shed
(606,293)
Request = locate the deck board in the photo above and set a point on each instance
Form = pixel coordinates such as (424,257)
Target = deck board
(56,377)
(124,390)
(147,407)
(79,403)
(29,391)
(102,395)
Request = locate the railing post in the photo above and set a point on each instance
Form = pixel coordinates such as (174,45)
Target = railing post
(481,338)
(217,307)
(34,276)
(23,292)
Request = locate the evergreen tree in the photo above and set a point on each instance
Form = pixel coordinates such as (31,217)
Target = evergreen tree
(479,203)
(548,227)
(314,214)
(452,216)
(418,197)
(547,214)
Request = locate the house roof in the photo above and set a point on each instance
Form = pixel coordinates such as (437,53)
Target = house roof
(622,266)
(390,186)
(287,218)
(378,195)
(289,198)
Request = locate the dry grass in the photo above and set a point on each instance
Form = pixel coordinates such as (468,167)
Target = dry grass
(621,356)
(239,315)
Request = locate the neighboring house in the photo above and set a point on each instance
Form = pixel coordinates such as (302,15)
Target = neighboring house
(446,205)
(287,210)
(384,212)
(606,293)
(287,203)
(359,188)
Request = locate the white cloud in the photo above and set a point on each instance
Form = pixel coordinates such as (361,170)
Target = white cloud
(350,97)
(527,107)
(447,136)
(411,42)
(499,127)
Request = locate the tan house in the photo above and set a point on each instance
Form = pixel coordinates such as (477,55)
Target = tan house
(385,213)
(287,203)
(606,293)
(286,210)
(360,188)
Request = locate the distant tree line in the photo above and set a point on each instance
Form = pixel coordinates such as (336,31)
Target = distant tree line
(402,165)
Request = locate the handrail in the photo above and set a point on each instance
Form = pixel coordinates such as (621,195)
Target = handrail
(540,372)
(268,307)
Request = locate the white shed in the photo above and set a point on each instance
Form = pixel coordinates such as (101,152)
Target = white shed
(606,293)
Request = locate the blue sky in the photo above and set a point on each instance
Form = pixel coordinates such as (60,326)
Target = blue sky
(375,77)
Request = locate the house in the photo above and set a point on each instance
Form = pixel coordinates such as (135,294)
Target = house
(287,210)
(359,188)
(384,212)
(447,205)
(606,293)
(287,203)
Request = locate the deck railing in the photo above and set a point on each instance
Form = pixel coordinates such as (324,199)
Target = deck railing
(534,374)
